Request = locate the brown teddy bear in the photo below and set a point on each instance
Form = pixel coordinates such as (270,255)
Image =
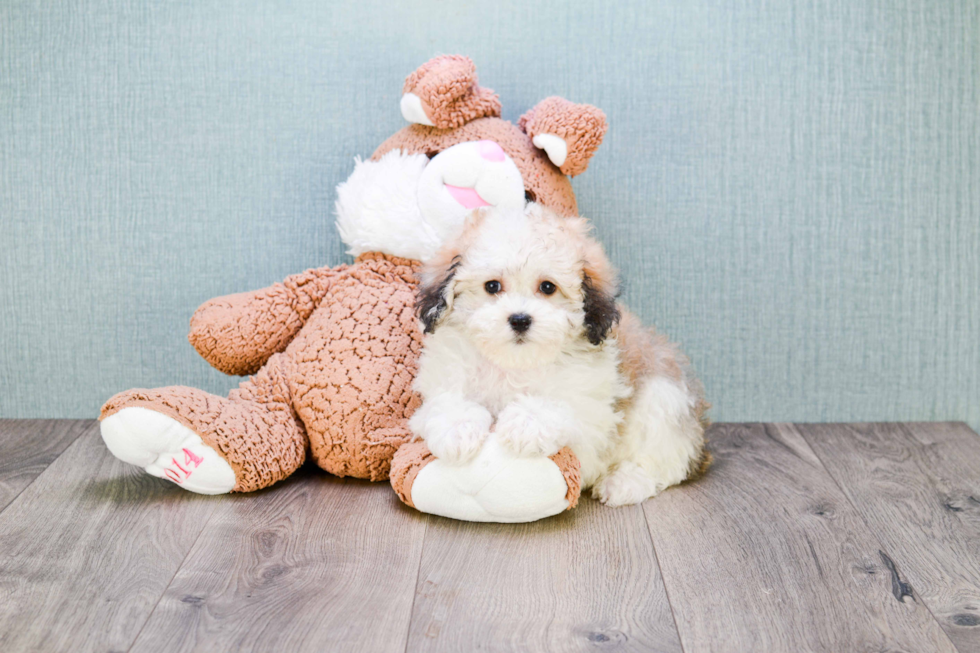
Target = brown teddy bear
(333,351)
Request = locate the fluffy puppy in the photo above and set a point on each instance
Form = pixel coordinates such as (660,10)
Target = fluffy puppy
(525,341)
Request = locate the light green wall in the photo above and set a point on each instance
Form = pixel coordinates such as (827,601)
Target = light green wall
(792,189)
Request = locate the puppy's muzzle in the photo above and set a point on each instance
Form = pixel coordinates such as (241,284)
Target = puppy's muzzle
(519,322)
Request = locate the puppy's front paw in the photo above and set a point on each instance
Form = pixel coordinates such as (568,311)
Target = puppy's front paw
(523,432)
(459,443)
(454,432)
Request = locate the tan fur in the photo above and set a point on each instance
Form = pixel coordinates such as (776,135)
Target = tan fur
(334,350)
(341,387)
(448,89)
(406,464)
(570,468)
(648,353)
(595,264)
(644,351)
(255,429)
(438,266)
(238,333)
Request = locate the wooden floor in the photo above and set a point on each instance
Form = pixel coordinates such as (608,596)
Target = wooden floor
(801,538)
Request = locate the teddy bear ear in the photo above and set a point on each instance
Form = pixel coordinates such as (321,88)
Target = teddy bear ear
(569,133)
(444,93)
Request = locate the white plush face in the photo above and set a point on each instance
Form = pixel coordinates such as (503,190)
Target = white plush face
(517,292)
(407,205)
(466,177)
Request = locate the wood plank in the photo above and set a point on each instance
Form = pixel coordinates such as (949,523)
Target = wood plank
(87,550)
(314,564)
(918,488)
(28,446)
(765,553)
(583,580)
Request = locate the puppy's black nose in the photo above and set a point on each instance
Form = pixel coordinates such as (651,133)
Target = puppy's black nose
(520,322)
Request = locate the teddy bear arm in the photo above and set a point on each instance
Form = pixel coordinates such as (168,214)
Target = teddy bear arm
(238,333)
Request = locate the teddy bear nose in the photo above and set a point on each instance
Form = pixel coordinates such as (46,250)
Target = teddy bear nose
(490,150)
(520,322)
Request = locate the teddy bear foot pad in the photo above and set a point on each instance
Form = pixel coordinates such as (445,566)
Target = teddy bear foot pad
(165,448)
(496,486)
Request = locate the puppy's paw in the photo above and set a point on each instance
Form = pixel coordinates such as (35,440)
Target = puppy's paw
(454,430)
(522,430)
(626,485)
(458,444)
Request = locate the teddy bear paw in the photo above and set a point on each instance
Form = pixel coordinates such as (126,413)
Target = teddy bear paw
(165,448)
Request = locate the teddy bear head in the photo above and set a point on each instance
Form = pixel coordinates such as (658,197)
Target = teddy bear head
(458,155)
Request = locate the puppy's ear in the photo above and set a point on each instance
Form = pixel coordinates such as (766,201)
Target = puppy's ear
(437,287)
(436,290)
(601,312)
(600,287)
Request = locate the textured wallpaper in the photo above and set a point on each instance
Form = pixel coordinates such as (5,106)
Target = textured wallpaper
(792,189)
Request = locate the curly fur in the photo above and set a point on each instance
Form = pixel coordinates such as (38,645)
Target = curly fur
(449,93)
(583,375)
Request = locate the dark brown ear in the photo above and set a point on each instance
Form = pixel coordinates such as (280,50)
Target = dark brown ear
(437,279)
(436,291)
(600,286)
(601,312)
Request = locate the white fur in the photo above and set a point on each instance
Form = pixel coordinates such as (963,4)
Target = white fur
(378,208)
(552,387)
(399,205)
(532,425)
(660,437)
(453,426)
(499,183)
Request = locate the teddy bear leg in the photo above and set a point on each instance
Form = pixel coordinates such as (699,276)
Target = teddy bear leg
(210,444)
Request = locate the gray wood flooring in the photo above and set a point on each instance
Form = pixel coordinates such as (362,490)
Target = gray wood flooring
(830,537)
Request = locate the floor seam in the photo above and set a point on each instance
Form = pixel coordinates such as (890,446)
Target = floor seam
(418,574)
(663,579)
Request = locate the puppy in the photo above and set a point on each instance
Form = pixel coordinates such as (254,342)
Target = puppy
(525,340)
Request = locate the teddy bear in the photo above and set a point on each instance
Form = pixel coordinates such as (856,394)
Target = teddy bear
(332,352)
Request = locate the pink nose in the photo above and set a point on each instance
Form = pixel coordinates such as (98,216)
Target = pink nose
(490,150)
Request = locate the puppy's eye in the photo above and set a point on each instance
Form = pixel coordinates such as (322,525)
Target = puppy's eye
(547,287)
(492,287)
